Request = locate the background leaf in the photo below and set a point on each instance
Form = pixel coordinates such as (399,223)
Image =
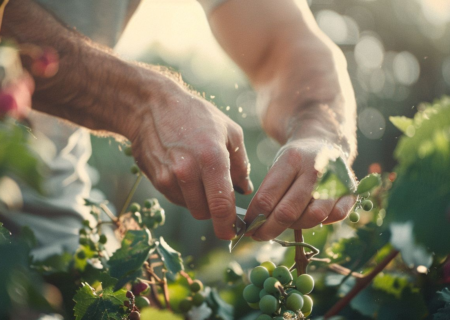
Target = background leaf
(172,259)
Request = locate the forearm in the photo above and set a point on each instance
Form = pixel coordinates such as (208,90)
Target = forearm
(92,88)
(300,75)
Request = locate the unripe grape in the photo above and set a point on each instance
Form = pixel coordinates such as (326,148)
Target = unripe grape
(196,286)
(140,288)
(135,207)
(367,205)
(198,299)
(134,316)
(253,305)
(185,305)
(263,293)
(134,169)
(307,306)
(82,232)
(264,317)
(258,275)
(283,274)
(84,241)
(354,216)
(365,194)
(304,283)
(148,203)
(270,285)
(142,302)
(294,302)
(160,216)
(128,151)
(269,265)
(268,304)
(251,293)
(103,239)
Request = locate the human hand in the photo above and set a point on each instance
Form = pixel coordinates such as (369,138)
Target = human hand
(193,154)
(285,196)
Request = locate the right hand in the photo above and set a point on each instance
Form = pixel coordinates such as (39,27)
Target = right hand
(193,154)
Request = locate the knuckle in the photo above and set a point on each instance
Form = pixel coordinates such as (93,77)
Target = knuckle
(163,182)
(293,157)
(183,170)
(264,202)
(285,215)
(210,154)
(319,213)
(220,208)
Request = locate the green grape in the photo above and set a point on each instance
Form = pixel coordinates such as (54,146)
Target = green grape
(258,275)
(304,283)
(307,306)
(134,169)
(82,232)
(103,239)
(264,317)
(294,302)
(84,241)
(283,274)
(263,293)
(270,285)
(128,151)
(185,305)
(269,265)
(367,205)
(365,195)
(198,299)
(354,216)
(196,286)
(251,293)
(160,216)
(291,291)
(268,304)
(278,318)
(148,203)
(135,207)
(253,305)
(141,302)
(81,255)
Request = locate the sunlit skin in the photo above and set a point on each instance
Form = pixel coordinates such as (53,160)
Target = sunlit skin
(191,151)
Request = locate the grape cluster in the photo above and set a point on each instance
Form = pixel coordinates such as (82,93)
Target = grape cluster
(362,203)
(130,304)
(274,291)
(150,215)
(87,234)
(140,290)
(196,298)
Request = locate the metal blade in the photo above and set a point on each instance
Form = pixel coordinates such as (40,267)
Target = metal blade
(240,227)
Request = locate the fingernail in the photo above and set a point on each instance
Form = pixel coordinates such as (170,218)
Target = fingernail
(250,186)
(239,190)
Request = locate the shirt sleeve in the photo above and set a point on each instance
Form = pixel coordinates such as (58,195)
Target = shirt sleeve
(210,5)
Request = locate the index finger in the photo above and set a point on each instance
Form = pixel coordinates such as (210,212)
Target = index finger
(220,194)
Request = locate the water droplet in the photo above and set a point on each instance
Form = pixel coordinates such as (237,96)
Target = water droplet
(182,158)
(203,238)
(313,233)
(227,108)
(212,97)
(240,109)
(236,150)
(321,225)
(220,191)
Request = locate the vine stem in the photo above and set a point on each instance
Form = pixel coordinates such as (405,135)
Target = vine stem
(361,283)
(301,261)
(110,214)
(131,193)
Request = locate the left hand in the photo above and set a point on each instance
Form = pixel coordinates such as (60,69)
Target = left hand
(285,195)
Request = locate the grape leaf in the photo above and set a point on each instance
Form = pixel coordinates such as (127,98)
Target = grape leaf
(221,309)
(5,235)
(334,181)
(126,262)
(368,183)
(172,259)
(53,264)
(104,306)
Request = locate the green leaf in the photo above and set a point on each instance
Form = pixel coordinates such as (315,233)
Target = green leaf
(335,181)
(5,235)
(368,183)
(53,264)
(443,313)
(126,262)
(402,123)
(104,306)
(172,259)
(444,295)
(221,309)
